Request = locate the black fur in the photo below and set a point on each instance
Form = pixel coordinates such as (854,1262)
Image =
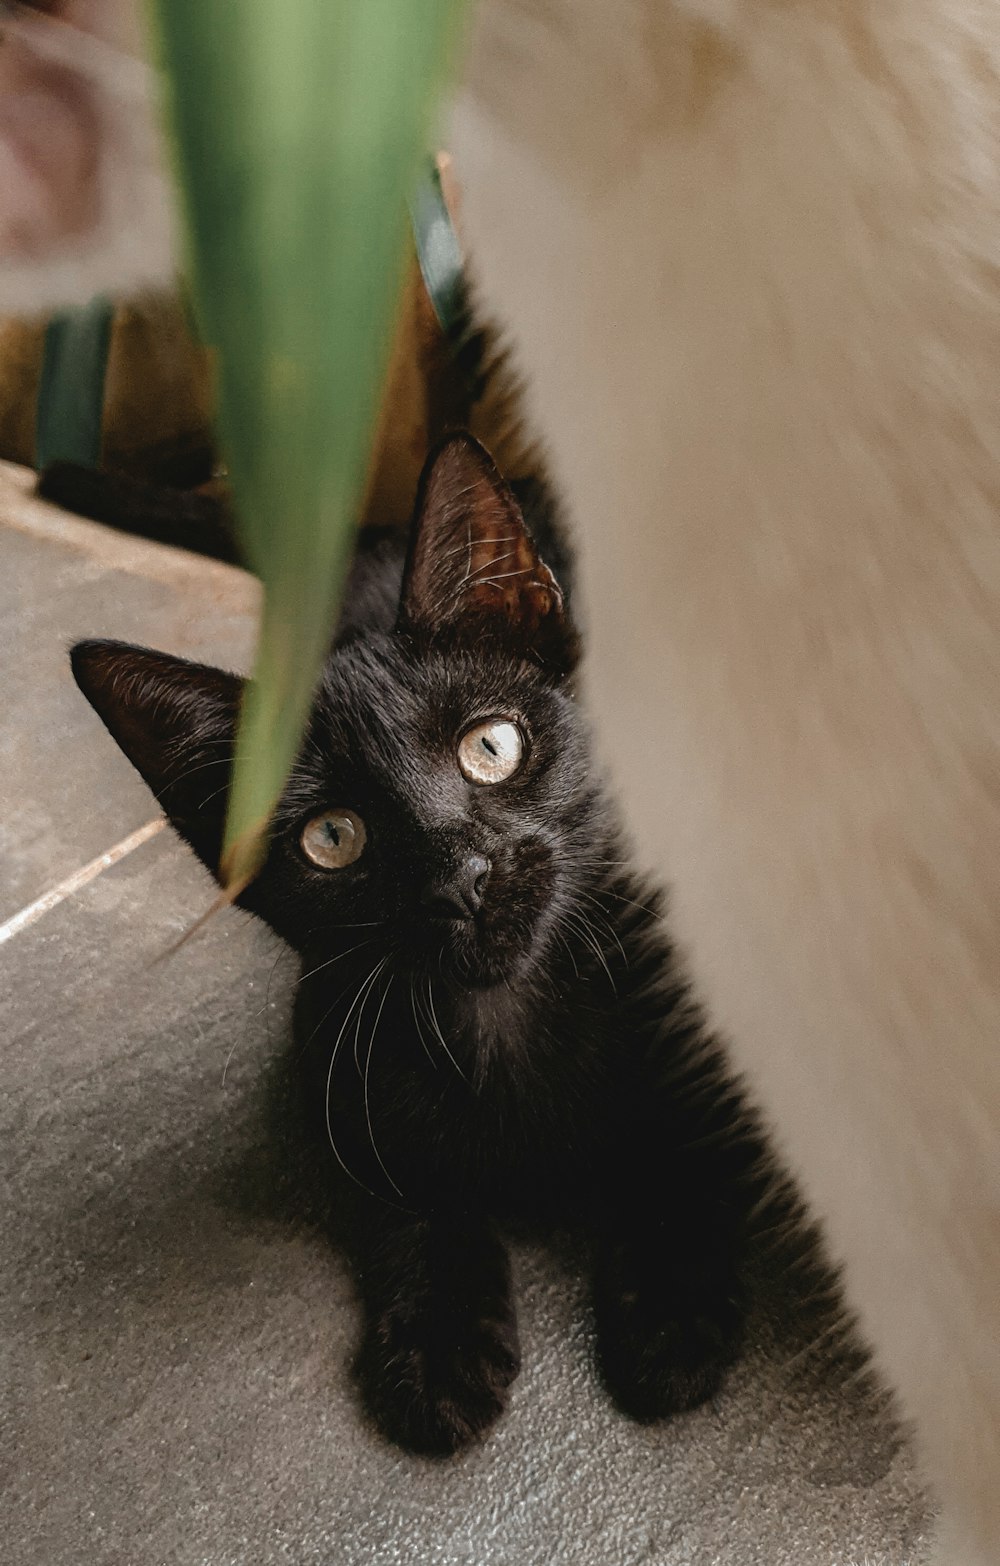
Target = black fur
(538,1061)
(186,518)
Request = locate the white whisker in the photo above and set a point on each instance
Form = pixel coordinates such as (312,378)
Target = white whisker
(357,1025)
(605,920)
(420,1031)
(586,934)
(441,1037)
(368,1116)
(329,1075)
(331,960)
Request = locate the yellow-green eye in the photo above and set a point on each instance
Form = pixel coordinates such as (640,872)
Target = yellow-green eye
(492,751)
(334,839)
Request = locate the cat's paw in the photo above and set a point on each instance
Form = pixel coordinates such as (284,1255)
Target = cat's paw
(663,1350)
(435,1382)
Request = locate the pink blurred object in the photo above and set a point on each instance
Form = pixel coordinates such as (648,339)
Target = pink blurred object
(85,199)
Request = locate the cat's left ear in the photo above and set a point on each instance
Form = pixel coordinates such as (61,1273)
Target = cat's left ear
(473,571)
(176,723)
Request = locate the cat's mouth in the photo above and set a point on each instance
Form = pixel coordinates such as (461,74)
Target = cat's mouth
(477,953)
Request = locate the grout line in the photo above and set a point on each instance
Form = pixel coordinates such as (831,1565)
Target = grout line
(213,581)
(73,883)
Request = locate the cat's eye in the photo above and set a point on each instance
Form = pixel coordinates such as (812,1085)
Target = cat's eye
(492,751)
(334,839)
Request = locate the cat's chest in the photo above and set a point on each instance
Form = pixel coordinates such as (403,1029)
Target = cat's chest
(483,1097)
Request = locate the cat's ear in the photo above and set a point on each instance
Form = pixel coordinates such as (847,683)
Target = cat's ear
(473,570)
(176,723)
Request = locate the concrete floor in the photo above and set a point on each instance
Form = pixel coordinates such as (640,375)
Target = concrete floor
(174,1327)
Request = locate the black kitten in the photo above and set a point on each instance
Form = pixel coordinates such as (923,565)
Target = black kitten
(487,1004)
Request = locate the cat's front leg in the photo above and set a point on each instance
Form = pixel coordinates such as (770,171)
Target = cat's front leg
(668,1287)
(669,1315)
(439,1349)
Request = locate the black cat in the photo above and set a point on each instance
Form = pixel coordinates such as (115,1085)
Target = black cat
(487,1006)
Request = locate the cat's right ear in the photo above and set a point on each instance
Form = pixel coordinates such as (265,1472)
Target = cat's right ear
(176,723)
(473,569)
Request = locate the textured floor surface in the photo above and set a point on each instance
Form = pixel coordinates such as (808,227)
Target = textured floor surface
(174,1327)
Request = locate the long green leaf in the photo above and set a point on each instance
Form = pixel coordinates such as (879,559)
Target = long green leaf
(297,125)
(438,251)
(71,391)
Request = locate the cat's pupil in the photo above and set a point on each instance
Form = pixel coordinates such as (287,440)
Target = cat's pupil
(488,746)
(333,834)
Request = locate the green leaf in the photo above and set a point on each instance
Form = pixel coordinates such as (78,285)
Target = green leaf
(298,129)
(438,251)
(71,390)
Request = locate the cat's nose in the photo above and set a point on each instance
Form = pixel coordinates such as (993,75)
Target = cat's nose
(460,894)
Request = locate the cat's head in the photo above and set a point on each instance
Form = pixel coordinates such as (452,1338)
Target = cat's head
(442,806)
